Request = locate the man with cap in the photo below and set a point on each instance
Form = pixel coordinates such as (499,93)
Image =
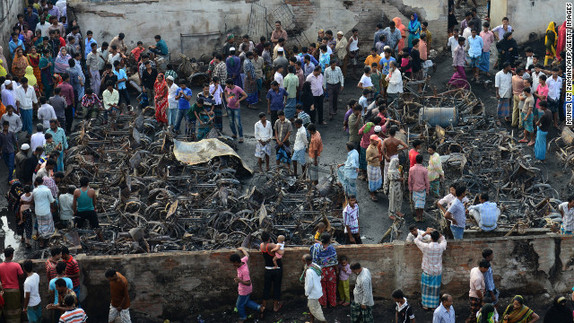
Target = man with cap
(341,51)
(8,142)
(374,166)
(13,119)
(233,63)
(8,95)
(20,158)
(281,60)
(38,139)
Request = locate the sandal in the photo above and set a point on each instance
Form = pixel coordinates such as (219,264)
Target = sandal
(523,140)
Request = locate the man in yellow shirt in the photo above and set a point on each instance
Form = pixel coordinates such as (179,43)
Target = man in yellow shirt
(373,58)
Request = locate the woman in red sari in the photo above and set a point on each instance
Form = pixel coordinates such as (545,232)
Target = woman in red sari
(561,44)
(34,61)
(161,92)
(19,63)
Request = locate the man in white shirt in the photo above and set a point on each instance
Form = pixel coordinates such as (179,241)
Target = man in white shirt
(32,306)
(567,211)
(316,80)
(503,84)
(216,91)
(26,101)
(172,102)
(278,76)
(13,119)
(333,81)
(111,97)
(554,87)
(46,112)
(431,276)
(43,199)
(38,139)
(414,232)
(362,305)
(263,135)
(313,289)
(300,146)
(535,76)
(453,41)
(486,214)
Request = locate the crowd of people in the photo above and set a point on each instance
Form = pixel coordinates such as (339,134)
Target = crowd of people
(58,75)
(63,300)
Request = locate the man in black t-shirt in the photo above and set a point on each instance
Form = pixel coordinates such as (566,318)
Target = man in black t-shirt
(403,312)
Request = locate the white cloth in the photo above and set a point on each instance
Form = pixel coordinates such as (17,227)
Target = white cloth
(366,81)
(554,87)
(301,141)
(503,82)
(316,84)
(353,46)
(568,218)
(31,285)
(26,97)
(263,132)
(66,212)
(452,43)
(449,199)
(476,282)
(432,255)
(42,200)
(14,120)
(37,140)
(395,82)
(171,96)
(313,289)
(363,292)
(278,77)
(46,113)
(124,315)
(216,93)
(411,237)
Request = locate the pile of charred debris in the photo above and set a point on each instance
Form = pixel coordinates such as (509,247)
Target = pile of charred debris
(486,157)
(149,201)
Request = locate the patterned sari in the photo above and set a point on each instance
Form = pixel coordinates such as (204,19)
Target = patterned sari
(46,74)
(19,65)
(160,98)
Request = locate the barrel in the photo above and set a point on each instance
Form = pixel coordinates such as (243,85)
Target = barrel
(440,116)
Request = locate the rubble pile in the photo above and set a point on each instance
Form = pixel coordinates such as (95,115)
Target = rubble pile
(148,201)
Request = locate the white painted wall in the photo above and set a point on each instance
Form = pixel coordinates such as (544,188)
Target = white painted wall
(9,9)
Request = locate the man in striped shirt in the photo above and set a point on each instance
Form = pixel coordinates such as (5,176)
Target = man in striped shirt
(74,315)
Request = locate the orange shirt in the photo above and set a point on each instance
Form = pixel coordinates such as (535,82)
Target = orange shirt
(373,59)
(316,144)
(413,157)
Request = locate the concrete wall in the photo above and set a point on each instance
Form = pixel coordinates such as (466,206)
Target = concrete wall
(9,9)
(528,16)
(183,284)
(198,27)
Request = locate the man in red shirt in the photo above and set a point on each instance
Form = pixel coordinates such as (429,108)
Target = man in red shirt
(414,152)
(67,93)
(10,272)
(72,270)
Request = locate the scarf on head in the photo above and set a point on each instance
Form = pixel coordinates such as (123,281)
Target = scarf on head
(551,38)
(368,127)
(413,23)
(32,80)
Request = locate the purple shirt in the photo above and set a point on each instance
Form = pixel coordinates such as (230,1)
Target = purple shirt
(233,96)
(67,92)
(344,272)
(487,40)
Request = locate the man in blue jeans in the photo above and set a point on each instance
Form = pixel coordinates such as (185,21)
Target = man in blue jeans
(7,143)
(457,214)
(233,96)
(244,286)
(183,95)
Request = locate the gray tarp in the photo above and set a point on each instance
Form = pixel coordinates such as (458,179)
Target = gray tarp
(199,152)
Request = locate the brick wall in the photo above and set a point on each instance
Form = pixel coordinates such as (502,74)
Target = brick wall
(182,284)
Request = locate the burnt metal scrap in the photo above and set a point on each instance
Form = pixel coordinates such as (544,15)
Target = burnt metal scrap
(148,201)
(487,158)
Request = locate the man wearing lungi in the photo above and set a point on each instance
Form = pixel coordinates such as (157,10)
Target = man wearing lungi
(431,276)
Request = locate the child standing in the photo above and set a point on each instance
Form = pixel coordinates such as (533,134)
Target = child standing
(351,221)
(320,230)
(376,79)
(244,286)
(279,250)
(343,283)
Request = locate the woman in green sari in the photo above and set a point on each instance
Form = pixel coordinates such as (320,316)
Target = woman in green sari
(46,70)
(517,312)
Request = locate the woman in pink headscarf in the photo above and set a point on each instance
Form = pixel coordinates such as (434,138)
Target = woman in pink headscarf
(561,40)
(399,25)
